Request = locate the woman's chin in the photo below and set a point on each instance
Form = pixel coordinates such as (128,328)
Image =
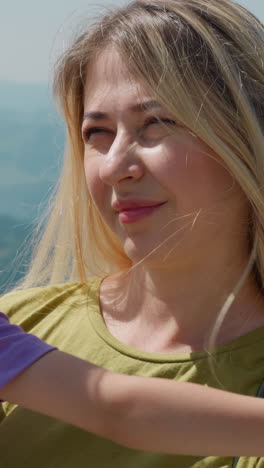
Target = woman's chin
(143,250)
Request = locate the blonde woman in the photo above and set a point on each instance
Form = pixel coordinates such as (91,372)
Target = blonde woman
(161,201)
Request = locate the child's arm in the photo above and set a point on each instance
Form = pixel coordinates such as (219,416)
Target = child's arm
(142,413)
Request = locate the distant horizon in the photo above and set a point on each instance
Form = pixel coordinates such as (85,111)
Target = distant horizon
(4,81)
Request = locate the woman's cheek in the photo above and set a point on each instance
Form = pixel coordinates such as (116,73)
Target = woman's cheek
(97,191)
(169,167)
(93,182)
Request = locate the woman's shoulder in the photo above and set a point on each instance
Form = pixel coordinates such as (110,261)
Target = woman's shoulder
(28,305)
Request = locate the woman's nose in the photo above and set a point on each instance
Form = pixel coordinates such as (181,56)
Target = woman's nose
(121,162)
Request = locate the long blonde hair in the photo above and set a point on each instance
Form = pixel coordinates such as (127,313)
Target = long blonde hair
(203,60)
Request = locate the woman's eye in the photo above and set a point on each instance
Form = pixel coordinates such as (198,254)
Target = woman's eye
(156,120)
(90,132)
(156,128)
(99,139)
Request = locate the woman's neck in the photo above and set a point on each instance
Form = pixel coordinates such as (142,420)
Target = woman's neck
(178,309)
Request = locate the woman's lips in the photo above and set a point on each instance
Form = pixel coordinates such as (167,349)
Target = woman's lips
(133,214)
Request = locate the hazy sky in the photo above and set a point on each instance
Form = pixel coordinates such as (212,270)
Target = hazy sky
(34,32)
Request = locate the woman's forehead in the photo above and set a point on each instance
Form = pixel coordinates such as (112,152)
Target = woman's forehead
(109,77)
(109,64)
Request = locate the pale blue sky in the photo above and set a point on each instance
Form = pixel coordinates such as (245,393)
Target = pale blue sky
(34,32)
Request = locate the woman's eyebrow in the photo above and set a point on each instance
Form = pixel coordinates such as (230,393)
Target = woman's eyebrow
(141,107)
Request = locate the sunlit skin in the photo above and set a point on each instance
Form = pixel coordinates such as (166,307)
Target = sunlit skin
(136,150)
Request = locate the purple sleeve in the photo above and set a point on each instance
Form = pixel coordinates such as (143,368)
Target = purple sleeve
(18,350)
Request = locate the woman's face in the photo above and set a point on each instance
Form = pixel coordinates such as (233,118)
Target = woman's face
(153,181)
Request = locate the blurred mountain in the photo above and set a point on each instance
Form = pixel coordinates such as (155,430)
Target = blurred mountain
(13,241)
(24,97)
(31,149)
(31,146)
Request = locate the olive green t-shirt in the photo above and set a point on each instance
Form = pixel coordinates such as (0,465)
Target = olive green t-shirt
(68,316)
